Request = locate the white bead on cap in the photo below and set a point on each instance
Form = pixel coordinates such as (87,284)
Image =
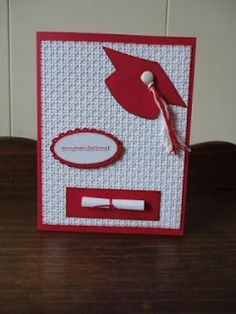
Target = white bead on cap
(147,78)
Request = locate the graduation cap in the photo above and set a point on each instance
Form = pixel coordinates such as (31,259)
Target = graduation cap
(144,89)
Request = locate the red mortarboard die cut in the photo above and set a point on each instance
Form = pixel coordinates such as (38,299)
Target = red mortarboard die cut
(145,99)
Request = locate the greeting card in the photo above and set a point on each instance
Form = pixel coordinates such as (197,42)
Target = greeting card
(113,132)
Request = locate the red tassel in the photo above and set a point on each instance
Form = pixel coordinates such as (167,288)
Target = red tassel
(176,143)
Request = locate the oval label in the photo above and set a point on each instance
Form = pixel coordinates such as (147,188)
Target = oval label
(86,148)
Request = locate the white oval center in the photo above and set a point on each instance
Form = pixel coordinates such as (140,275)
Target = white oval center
(85,148)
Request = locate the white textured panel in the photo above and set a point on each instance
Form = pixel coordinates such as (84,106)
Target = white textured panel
(74,95)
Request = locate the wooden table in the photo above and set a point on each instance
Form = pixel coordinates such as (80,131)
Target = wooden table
(49,272)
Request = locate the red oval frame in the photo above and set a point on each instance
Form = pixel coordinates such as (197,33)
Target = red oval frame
(104,163)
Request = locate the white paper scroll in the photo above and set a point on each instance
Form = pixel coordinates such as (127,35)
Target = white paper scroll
(116,203)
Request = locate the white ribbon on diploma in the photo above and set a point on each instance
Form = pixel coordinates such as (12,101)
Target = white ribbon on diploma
(97,202)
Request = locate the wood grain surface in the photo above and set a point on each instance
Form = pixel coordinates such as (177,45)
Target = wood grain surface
(51,272)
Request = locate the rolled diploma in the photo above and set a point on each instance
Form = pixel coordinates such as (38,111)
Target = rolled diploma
(118,203)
